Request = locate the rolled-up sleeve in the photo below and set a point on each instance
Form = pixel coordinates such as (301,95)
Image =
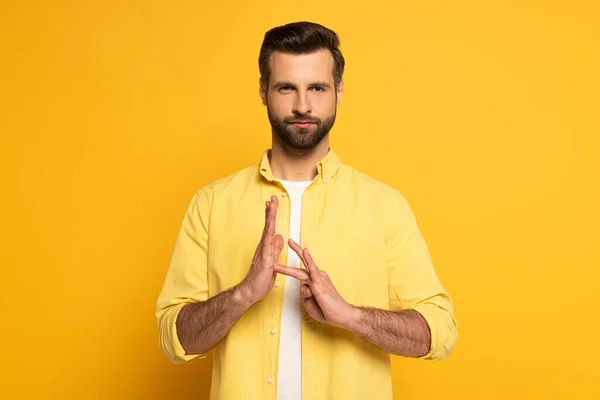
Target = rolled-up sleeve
(413,282)
(186,280)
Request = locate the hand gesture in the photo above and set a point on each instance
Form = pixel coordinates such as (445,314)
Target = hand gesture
(261,276)
(320,298)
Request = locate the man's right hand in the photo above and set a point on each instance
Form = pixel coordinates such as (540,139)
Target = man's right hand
(261,277)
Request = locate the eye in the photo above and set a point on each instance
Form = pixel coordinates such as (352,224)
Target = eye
(285,88)
(320,88)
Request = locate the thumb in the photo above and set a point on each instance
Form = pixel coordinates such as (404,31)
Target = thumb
(277,246)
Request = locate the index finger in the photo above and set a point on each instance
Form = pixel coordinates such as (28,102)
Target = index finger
(270,217)
(298,273)
(315,273)
(296,247)
(307,260)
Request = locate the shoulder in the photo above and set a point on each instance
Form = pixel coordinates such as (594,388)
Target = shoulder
(366,183)
(234,181)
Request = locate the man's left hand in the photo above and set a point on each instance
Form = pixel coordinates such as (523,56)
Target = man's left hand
(321,300)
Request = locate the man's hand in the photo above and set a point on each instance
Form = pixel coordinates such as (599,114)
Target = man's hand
(321,300)
(404,332)
(261,276)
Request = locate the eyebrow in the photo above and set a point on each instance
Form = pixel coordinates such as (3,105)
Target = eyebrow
(279,84)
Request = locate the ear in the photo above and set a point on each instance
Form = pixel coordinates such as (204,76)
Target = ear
(261,92)
(340,92)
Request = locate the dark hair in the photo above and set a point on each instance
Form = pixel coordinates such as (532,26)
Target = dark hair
(299,38)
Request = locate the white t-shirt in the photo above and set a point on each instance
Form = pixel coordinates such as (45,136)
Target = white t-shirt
(289,382)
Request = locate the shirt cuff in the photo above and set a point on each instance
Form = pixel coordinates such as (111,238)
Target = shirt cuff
(169,341)
(442,326)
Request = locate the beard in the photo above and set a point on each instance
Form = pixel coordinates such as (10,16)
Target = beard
(301,138)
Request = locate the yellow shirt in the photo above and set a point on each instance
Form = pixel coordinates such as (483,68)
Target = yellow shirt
(361,231)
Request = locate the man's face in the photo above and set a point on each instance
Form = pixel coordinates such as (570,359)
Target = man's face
(301,89)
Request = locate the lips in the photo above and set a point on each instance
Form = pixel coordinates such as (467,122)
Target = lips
(303,123)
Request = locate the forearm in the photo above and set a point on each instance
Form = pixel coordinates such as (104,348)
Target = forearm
(404,333)
(200,326)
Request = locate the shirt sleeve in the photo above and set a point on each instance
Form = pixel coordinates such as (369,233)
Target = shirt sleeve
(186,280)
(413,282)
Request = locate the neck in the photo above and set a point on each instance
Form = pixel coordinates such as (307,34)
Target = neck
(296,165)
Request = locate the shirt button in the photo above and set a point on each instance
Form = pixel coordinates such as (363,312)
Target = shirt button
(270,380)
(273,331)
(326,176)
(283,194)
(277,284)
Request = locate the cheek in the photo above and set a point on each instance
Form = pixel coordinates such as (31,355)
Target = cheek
(279,106)
(325,104)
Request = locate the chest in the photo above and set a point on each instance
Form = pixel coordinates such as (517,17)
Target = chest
(345,233)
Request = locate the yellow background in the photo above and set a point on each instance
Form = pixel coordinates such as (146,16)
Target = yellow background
(485,116)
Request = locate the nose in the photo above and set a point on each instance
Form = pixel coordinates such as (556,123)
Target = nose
(302,105)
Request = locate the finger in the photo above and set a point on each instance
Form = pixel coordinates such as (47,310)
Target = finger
(270,228)
(270,206)
(293,272)
(315,273)
(266,227)
(309,260)
(305,291)
(277,246)
(272,215)
(296,247)
(312,307)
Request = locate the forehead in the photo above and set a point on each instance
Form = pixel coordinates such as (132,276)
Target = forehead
(317,66)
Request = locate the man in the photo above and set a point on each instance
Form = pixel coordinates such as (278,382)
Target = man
(356,282)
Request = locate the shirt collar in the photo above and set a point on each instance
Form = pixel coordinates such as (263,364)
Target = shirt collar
(327,167)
